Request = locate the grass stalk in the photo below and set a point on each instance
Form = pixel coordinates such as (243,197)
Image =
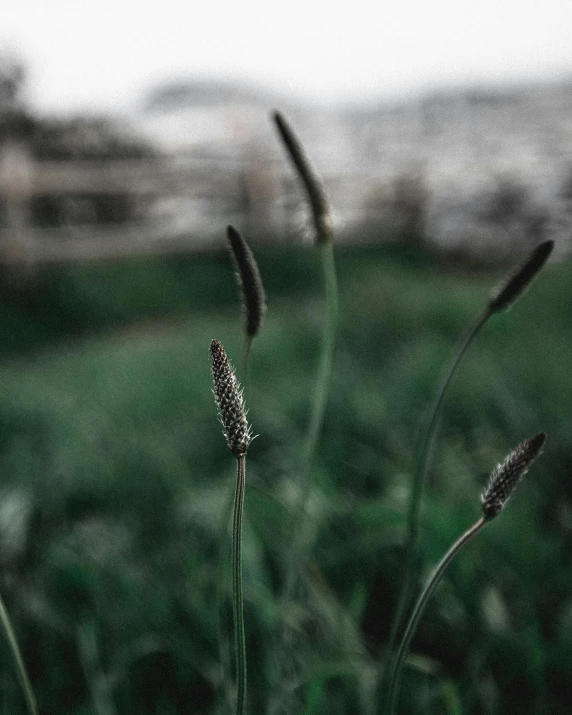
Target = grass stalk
(326,354)
(424,445)
(237,597)
(318,409)
(413,621)
(323,226)
(224,647)
(18,660)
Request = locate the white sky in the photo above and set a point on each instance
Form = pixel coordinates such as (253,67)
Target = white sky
(85,55)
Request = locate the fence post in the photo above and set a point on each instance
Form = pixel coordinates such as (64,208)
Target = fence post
(16,175)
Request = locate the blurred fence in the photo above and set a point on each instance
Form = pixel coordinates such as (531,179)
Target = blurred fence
(145,182)
(169,205)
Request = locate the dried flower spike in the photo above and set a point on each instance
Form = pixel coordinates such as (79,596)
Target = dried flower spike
(249,280)
(508,291)
(229,401)
(507,475)
(314,189)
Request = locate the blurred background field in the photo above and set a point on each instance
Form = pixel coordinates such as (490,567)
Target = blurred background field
(116,480)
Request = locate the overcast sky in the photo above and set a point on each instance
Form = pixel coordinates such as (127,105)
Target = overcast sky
(103,55)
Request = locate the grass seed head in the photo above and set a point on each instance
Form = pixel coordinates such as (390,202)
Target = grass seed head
(509,290)
(249,280)
(314,189)
(229,401)
(507,475)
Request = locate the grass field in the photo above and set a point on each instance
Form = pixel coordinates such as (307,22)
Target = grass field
(114,497)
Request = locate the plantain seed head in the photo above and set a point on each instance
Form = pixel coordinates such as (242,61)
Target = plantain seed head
(509,290)
(314,189)
(229,401)
(507,475)
(249,280)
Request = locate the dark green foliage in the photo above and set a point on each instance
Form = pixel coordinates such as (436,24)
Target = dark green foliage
(115,479)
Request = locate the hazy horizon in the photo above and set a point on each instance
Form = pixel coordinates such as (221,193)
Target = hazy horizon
(106,56)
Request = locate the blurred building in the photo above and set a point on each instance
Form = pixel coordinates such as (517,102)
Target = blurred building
(486,167)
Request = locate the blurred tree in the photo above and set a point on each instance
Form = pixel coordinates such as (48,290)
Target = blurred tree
(15,121)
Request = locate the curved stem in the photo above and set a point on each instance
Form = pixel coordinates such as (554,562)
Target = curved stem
(415,616)
(237,600)
(424,445)
(18,660)
(431,419)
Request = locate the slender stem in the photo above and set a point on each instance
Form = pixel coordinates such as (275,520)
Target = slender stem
(424,445)
(18,660)
(415,616)
(431,420)
(296,554)
(246,358)
(222,585)
(327,353)
(237,600)
(316,416)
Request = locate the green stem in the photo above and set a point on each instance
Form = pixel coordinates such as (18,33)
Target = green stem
(425,440)
(316,416)
(326,356)
(222,585)
(415,616)
(18,660)
(246,358)
(431,420)
(296,555)
(237,600)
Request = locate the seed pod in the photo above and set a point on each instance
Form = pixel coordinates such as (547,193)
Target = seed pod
(507,475)
(312,184)
(229,401)
(508,291)
(249,280)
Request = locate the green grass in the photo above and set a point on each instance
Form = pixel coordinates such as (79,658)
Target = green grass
(115,474)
